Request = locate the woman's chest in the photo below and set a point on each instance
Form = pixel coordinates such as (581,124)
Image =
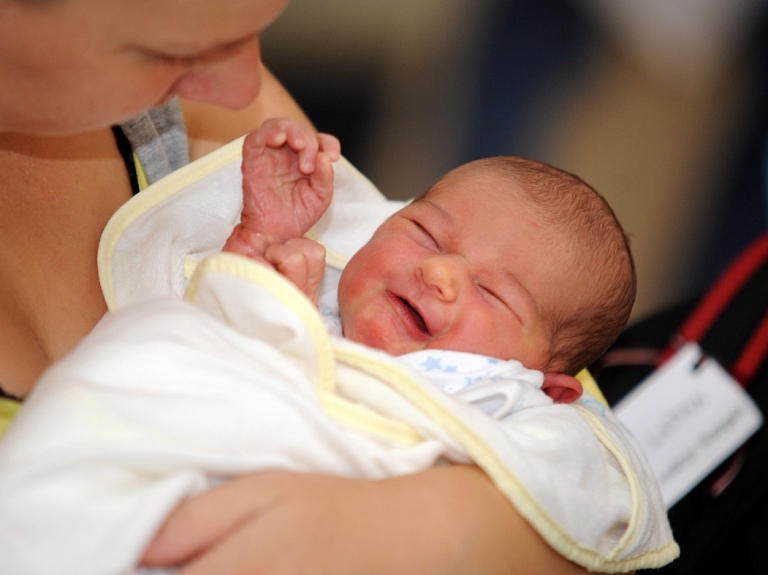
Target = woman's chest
(54,205)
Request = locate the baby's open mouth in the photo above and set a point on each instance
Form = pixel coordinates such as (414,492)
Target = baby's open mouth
(416,319)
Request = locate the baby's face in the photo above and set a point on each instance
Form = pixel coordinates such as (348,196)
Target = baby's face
(467,269)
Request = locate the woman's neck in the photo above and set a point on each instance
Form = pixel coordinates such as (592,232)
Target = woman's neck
(57,195)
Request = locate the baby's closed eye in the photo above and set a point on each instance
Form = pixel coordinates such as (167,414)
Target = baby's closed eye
(423,235)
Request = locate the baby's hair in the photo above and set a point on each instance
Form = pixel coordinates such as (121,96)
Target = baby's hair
(579,216)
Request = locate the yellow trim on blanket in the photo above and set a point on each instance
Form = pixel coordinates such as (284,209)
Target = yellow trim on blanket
(635,489)
(140,203)
(505,480)
(358,416)
(283,291)
(159,191)
(189,267)
(367,421)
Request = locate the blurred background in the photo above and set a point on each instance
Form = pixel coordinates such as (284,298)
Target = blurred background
(661,105)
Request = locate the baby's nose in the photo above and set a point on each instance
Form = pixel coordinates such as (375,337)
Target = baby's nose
(445,274)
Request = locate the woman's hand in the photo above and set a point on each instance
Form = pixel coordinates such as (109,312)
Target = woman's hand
(446,520)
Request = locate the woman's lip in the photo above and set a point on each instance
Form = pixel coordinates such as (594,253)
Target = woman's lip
(411,316)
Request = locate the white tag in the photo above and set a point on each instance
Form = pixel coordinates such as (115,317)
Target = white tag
(688,416)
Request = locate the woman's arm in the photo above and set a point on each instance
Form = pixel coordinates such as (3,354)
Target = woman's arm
(210,127)
(447,520)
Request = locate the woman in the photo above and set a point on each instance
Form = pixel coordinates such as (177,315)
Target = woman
(73,69)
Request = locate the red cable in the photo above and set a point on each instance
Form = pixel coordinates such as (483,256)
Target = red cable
(718,298)
(752,356)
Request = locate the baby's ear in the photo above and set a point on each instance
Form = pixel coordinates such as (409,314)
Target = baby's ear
(562,388)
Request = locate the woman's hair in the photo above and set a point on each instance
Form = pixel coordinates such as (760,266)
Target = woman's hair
(584,225)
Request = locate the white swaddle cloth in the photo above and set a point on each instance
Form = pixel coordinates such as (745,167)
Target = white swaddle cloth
(167,396)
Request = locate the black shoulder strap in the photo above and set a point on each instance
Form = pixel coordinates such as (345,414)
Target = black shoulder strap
(124,147)
(5,395)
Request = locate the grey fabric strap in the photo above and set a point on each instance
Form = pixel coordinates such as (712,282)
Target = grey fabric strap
(159,139)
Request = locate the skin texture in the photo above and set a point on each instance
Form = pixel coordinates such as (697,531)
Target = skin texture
(72,68)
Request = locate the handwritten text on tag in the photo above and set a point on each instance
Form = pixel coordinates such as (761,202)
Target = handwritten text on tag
(688,416)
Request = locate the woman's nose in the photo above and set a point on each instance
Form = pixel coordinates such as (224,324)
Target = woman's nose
(232,82)
(445,274)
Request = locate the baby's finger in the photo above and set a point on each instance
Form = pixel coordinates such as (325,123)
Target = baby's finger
(330,145)
(289,262)
(301,261)
(314,258)
(273,132)
(254,143)
(303,139)
(321,180)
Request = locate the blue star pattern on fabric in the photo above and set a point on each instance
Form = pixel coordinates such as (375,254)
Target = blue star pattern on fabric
(454,370)
(494,386)
(331,320)
(490,384)
(432,364)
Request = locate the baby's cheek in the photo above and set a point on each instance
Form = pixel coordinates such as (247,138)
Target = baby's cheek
(364,326)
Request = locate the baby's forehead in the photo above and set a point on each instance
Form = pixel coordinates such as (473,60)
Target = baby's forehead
(476,194)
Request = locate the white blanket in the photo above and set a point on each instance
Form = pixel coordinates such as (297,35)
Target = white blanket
(167,396)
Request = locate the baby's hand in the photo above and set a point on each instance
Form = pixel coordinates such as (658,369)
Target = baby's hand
(287,178)
(287,186)
(301,261)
